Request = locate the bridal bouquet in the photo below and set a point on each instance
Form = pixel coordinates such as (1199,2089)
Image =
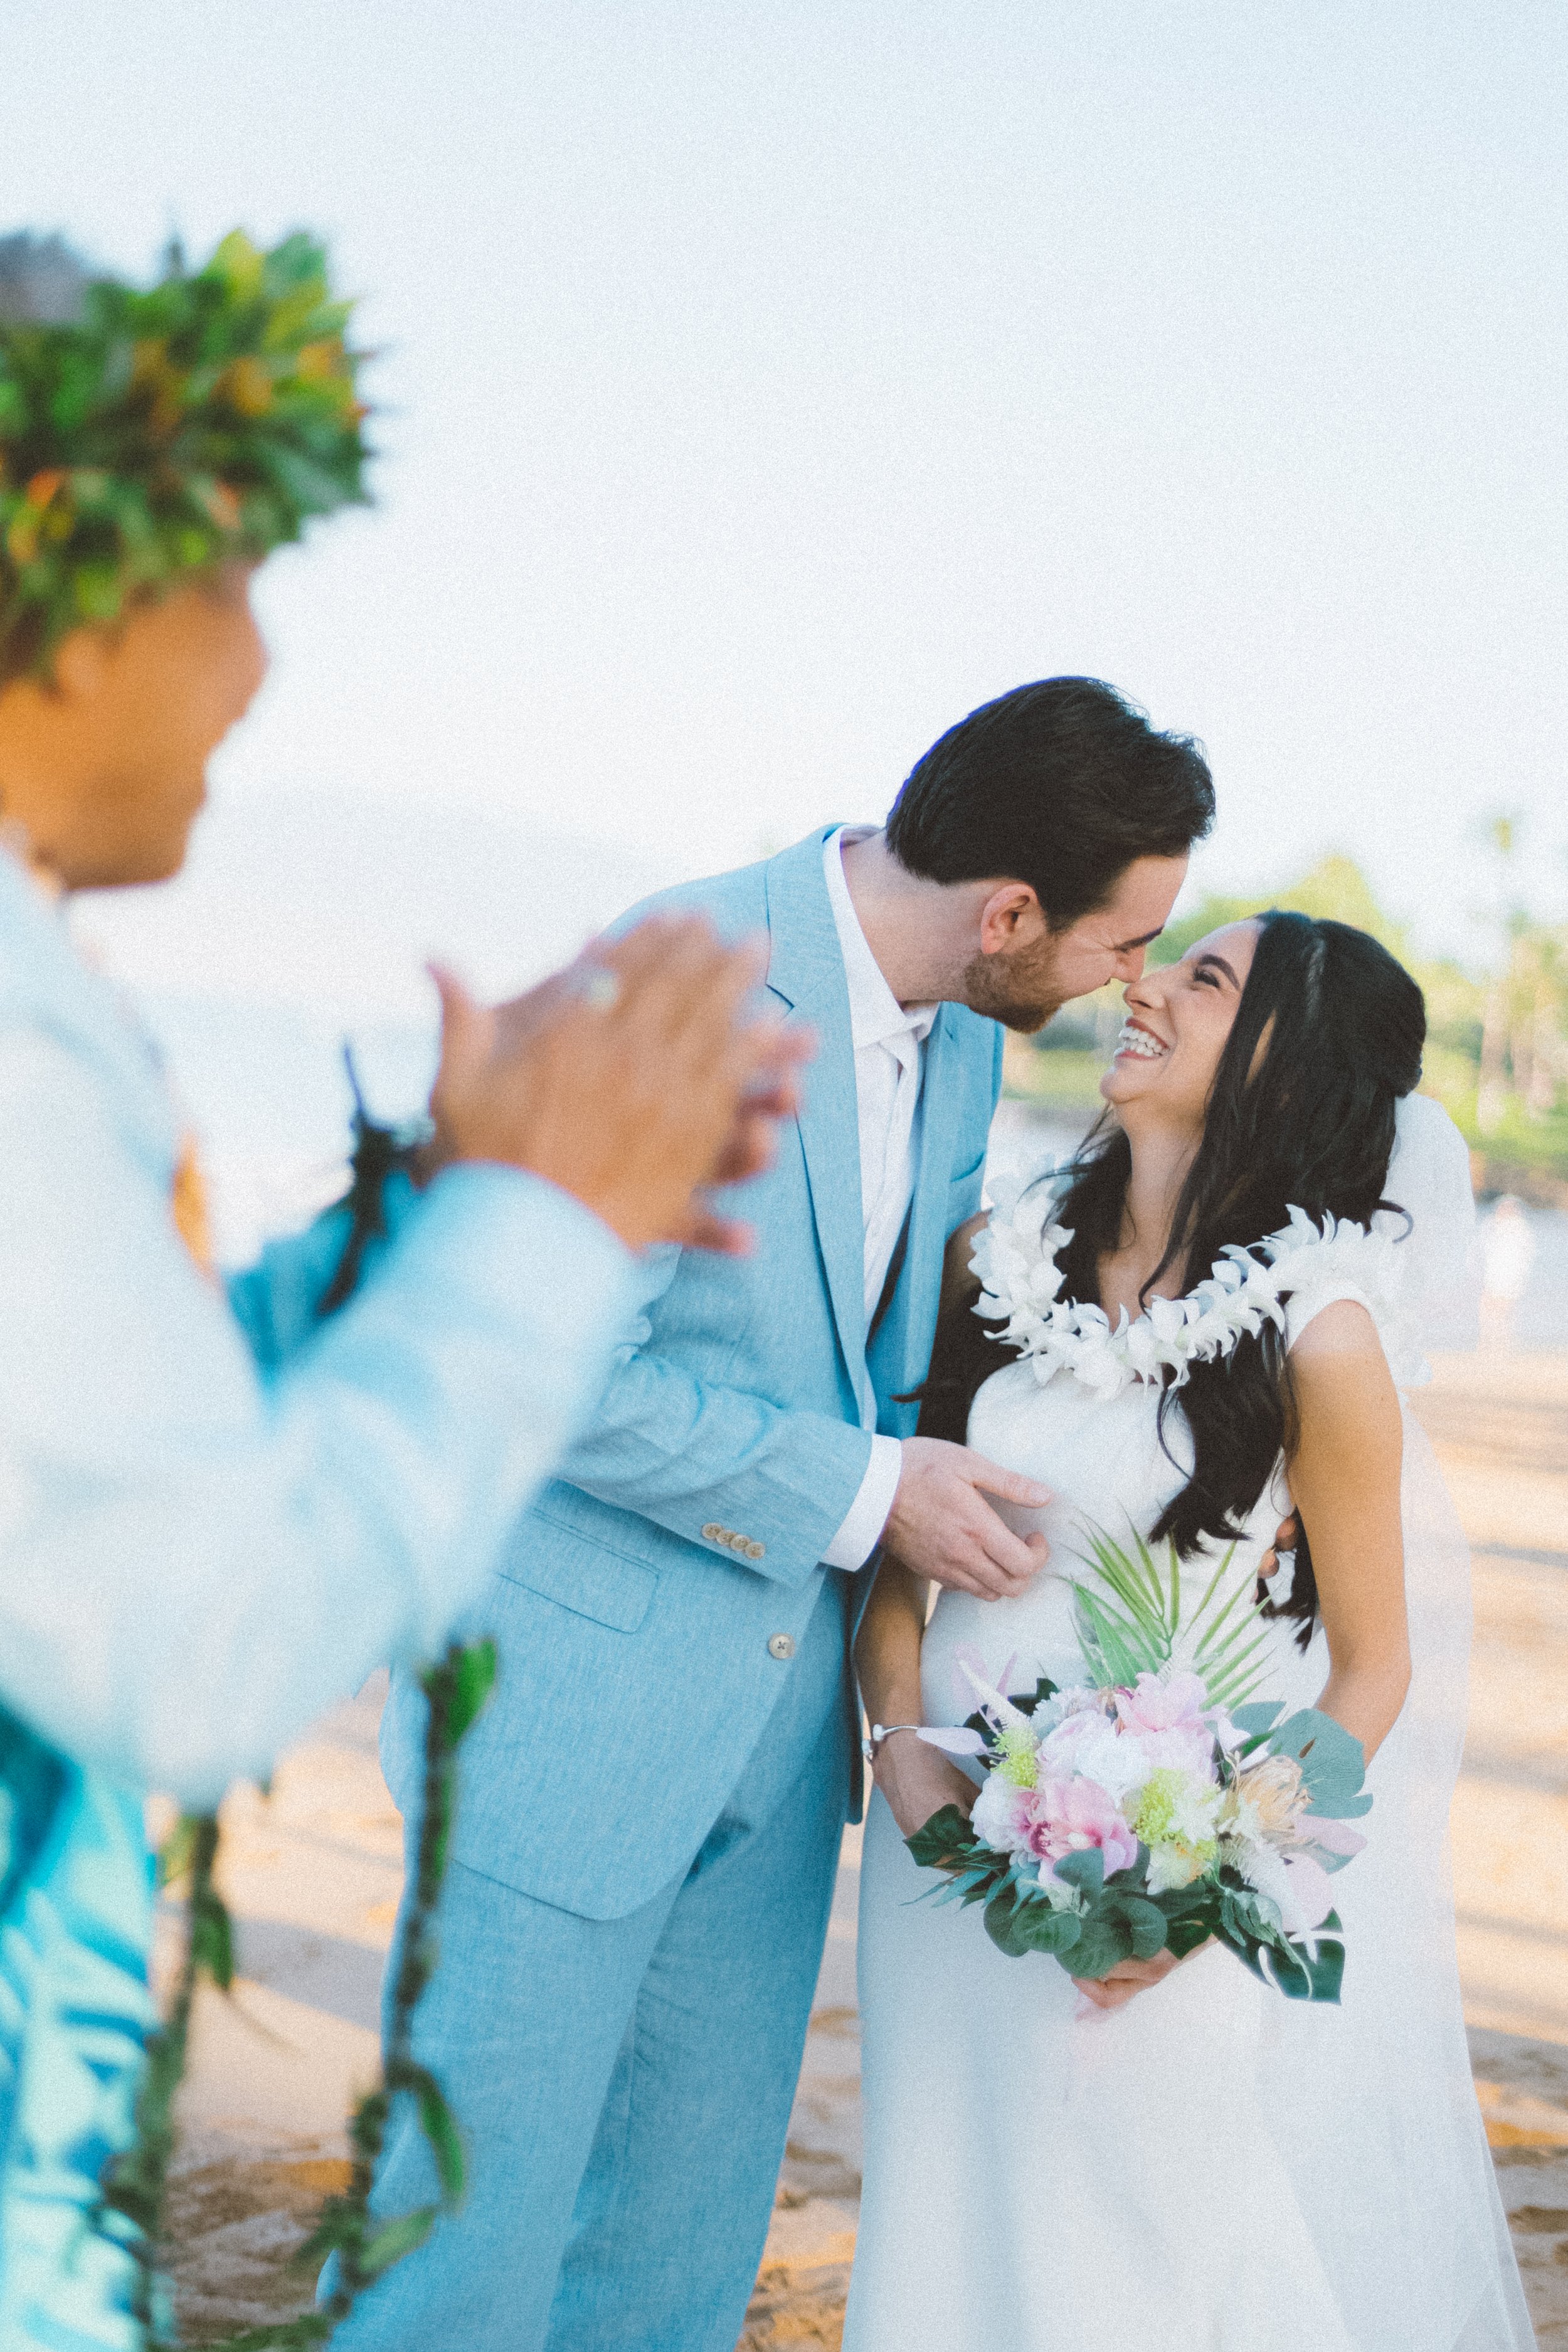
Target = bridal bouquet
(1158,1804)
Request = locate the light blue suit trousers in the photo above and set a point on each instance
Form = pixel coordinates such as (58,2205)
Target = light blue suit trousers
(624,2084)
(650,1808)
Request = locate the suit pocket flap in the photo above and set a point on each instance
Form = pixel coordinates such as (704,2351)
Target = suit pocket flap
(590,1578)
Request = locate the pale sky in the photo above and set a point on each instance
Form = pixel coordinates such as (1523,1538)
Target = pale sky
(772,384)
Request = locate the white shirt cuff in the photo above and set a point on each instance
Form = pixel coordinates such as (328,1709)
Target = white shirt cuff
(867,1515)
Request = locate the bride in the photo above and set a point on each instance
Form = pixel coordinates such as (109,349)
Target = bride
(1178,2156)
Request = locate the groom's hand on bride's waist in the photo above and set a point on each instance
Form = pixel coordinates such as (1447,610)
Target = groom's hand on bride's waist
(941,1525)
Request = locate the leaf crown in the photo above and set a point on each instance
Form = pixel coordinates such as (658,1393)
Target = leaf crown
(159,433)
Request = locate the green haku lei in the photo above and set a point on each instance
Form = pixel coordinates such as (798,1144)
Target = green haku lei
(165,432)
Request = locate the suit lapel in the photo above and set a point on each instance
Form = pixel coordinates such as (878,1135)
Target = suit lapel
(903,1342)
(806,966)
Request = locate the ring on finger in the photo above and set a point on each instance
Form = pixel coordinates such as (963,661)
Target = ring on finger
(599,989)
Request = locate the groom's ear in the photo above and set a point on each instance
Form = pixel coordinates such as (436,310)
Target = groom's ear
(1012,917)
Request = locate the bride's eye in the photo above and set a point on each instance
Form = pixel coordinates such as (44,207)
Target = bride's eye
(1208,979)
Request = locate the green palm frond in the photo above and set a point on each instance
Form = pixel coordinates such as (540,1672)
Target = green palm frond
(1135,1624)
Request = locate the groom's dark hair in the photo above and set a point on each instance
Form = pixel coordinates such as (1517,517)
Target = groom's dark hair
(1060,785)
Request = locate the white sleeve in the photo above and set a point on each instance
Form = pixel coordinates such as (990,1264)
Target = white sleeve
(861,1528)
(191,1567)
(1304,1305)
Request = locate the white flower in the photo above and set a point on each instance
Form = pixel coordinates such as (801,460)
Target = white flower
(1118,1760)
(998,1817)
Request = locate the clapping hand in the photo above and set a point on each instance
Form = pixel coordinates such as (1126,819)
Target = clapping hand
(633,1079)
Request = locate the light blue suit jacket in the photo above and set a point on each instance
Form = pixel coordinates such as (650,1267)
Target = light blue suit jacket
(636,1602)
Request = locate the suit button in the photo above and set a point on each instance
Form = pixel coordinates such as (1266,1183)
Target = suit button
(713,1532)
(782,1646)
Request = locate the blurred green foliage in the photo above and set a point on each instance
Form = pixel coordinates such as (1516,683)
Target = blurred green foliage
(162,432)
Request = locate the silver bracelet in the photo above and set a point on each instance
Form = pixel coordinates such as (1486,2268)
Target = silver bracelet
(880,1731)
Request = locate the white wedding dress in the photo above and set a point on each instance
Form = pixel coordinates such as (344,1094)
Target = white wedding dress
(1212,2168)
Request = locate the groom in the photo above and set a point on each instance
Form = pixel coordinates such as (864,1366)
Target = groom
(651,1808)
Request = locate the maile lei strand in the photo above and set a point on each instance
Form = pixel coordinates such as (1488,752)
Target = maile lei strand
(135,2189)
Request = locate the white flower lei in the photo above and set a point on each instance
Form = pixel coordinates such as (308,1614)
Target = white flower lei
(1015,1259)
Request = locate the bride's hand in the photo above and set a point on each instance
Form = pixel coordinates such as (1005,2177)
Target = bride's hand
(1117,1986)
(918,1781)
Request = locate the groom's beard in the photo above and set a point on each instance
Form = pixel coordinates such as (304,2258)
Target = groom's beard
(1022,993)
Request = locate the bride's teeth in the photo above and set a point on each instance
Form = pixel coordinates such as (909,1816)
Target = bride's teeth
(1139,1042)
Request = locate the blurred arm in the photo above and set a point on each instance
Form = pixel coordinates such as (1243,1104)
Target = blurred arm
(191,1568)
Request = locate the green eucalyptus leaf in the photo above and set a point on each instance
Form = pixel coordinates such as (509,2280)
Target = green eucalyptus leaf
(1006,1921)
(1143,1922)
(1086,1870)
(1041,1929)
(1102,1943)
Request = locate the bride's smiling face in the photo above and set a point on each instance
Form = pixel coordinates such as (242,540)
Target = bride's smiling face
(1177,1020)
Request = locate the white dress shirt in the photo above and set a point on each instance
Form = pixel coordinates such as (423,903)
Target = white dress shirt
(889,1040)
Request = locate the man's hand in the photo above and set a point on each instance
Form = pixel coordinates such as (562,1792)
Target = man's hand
(1117,1986)
(1286,1535)
(941,1527)
(917,1781)
(630,1079)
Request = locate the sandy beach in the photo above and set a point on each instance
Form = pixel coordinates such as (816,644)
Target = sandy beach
(313,1874)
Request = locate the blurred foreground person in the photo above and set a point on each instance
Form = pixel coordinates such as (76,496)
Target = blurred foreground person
(195,1558)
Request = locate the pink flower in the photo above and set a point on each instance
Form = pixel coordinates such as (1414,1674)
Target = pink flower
(1173,1702)
(1165,1713)
(1001,1815)
(1064,1817)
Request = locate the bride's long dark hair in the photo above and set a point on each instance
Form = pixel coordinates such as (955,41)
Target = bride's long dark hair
(1338,1026)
